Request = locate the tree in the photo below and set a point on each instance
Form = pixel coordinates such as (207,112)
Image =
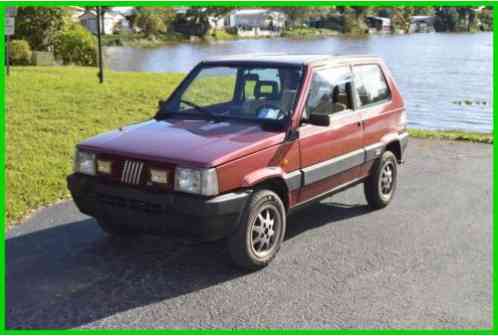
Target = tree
(354,20)
(39,26)
(150,24)
(447,19)
(76,45)
(196,20)
(298,16)
(486,19)
(154,20)
(401,18)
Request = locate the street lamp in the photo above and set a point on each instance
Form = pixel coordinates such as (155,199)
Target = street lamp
(99,44)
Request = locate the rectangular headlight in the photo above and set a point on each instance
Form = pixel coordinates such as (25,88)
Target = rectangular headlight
(84,162)
(104,167)
(196,181)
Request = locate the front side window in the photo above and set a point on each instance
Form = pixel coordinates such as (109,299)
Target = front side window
(330,92)
(371,86)
(246,92)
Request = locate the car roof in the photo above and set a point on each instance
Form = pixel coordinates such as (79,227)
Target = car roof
(293,59)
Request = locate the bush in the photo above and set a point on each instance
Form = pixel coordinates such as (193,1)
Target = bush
(19,52)
(76,45)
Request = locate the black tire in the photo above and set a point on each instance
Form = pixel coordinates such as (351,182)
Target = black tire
(247,246)
(114,228)
(379,187)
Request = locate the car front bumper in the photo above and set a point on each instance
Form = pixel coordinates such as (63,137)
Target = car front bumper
(157,212)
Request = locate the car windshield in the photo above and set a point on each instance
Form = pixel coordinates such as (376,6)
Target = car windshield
(246,92)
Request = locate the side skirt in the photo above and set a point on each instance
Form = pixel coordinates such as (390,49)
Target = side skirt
(328,193)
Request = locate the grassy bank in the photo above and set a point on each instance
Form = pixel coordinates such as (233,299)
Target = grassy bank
(453,135)
(50,109)
(139,40)
(308,33)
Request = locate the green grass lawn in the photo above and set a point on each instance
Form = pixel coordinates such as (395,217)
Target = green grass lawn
(51,109)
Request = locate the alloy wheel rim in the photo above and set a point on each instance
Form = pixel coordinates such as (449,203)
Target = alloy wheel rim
(265,230)
(387,179)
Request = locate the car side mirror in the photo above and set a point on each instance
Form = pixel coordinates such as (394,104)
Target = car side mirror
(319,119)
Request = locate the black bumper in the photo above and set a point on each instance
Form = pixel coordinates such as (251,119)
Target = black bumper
(158,212)
(403,139)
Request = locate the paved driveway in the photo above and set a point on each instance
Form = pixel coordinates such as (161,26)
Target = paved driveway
(423,262)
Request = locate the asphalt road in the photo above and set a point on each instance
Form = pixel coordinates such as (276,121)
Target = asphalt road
(423,262)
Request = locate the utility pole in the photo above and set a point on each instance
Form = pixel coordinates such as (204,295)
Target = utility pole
(99,42)
(7,54)
(10,12)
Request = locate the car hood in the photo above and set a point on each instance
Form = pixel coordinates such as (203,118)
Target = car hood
(199,143)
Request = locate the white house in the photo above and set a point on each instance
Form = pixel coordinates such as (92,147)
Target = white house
(256,18)
(111,22)
(75,12)
(422,23)
(377,24)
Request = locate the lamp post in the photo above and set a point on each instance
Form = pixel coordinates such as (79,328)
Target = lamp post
(99,44)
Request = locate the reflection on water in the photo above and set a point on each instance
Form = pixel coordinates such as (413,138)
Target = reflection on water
(446,79)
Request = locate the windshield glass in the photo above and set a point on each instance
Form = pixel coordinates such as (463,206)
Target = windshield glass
(239,91)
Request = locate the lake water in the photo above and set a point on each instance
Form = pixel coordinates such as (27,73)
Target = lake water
(446,79)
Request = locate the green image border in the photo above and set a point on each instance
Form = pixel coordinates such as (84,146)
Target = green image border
(492,331)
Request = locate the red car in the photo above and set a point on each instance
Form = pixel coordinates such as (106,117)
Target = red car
(240,144)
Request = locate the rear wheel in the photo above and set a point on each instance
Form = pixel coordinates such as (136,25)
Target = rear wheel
(260,233)
(381,184)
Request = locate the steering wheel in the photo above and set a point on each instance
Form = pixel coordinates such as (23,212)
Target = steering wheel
(270,106)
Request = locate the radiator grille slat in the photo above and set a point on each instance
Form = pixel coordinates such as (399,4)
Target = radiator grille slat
(132,172)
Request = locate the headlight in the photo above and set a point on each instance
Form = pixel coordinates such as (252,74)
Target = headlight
(84,163)
(195,181)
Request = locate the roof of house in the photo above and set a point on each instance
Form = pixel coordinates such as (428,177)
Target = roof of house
(380,18)
(291,59)
(252,11)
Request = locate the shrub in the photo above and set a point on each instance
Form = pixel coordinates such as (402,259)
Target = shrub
(19,52)
(76,45)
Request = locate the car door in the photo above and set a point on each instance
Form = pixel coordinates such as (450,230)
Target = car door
(330,155)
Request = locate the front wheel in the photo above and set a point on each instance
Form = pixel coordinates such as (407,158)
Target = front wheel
(381,184)
(260,233)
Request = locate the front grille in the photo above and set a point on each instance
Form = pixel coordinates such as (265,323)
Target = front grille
(133,204)
(132,172)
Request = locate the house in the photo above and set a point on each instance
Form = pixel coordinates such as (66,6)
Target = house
(217,22)
(263,19)
(75,12)
(111,22)
(422,24)
(378,24)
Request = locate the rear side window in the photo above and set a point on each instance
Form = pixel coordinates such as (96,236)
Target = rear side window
(370,83)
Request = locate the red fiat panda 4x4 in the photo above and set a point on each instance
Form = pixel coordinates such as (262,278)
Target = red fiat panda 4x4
(243,141)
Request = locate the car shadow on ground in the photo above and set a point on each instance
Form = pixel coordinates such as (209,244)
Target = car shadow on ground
(73,274)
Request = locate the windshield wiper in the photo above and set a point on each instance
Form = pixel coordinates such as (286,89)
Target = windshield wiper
(200,109)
